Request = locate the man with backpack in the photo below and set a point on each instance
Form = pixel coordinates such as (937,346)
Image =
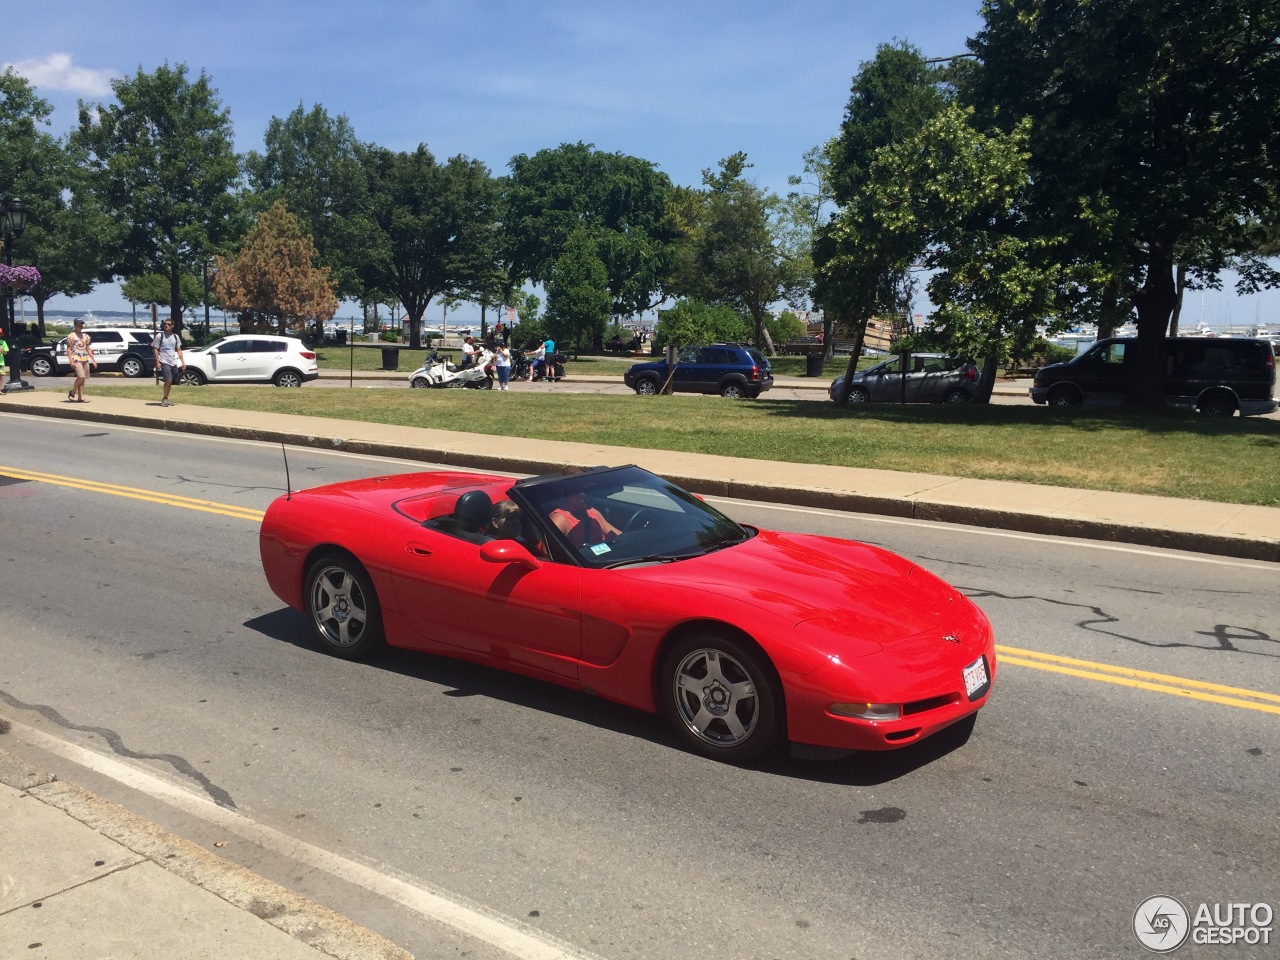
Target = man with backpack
(167,347)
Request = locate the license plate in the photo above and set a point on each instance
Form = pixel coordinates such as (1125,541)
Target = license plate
(975,677)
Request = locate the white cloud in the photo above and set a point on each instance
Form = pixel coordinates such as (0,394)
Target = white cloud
(57,72)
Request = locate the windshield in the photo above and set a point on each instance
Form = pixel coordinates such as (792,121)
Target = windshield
(625,516)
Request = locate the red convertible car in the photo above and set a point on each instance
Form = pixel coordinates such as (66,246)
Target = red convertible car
(616,582)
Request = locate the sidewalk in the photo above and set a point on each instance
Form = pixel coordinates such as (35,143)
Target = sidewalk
(82,879)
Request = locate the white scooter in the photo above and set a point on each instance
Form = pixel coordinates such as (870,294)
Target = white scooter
(437,371)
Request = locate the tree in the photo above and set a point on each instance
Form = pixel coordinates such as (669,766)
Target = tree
(152,289)
(693,323)
(578,304)
(164,166)
(275,275)
(429,223)
(739,263)
(1153,133)
(577,194)
(67,235)
(311,161)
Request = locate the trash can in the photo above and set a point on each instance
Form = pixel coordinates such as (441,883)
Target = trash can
(342,338)
(813,365)
(390,358)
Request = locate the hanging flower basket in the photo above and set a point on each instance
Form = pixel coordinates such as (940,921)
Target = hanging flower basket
(21,277)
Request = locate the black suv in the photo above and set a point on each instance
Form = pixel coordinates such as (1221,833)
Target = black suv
(1208,375)
(729,369)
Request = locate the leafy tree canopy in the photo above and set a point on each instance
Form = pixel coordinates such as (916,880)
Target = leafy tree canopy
(694,323)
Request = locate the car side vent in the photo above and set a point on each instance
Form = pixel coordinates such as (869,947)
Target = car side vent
(933,703)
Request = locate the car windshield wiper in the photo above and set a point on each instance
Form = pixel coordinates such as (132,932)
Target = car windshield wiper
(651,558)
(727,542)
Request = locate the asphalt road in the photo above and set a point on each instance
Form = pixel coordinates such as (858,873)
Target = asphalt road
(135,625)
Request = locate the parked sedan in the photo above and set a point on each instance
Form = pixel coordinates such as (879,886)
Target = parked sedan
(932,378)
(619,583)
(251,358)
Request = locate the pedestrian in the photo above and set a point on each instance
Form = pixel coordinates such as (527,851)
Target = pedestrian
(502,364)
(167,346)
(80,356)
(4,357)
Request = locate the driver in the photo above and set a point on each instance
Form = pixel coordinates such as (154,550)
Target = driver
(580,523)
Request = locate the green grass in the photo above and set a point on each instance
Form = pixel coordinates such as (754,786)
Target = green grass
(1168,454)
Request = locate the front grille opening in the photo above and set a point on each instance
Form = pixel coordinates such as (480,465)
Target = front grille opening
(903,734)
(933,703)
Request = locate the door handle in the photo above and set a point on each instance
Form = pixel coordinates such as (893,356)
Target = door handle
(419,549)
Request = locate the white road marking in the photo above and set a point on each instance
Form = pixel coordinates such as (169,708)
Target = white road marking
(473,920)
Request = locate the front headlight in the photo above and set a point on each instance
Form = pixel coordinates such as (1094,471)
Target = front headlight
(866,711)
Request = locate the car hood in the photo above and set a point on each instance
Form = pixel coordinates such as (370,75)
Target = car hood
(850,588)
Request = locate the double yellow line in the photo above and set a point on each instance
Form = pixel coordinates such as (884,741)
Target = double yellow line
(1141,679)
(1015,656)
(166,499)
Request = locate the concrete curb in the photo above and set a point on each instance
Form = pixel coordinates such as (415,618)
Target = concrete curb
(308,922)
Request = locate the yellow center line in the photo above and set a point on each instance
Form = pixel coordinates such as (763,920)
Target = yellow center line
(1141,679)
(1016,656)
(133,493)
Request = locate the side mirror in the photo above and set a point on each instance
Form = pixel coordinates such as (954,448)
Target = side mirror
(508,551)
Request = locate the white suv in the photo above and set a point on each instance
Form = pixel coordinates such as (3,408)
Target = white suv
(251,358)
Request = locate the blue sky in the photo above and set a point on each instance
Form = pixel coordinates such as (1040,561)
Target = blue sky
(681,84)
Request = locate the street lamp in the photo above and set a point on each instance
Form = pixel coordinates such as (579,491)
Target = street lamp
(13,220)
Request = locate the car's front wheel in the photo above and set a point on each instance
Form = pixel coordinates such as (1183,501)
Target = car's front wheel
(1064,397)
(288,378)
(722,696)
(419,383)
(132,366)
(42,367)
(343,607)
(647,387)
(858,395)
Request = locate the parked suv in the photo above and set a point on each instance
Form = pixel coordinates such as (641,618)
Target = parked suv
(729,369)
(251,358)
(1210,375)
(931,378)
(115,348)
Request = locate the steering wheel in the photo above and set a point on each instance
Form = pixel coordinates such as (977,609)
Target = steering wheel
(642,519)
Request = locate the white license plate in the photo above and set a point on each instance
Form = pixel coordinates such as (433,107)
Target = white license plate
(975,676)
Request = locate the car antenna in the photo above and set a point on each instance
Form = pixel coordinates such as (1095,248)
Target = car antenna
(288,486)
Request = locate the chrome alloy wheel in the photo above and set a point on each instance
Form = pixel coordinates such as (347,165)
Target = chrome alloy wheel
(715,697)
(339,606)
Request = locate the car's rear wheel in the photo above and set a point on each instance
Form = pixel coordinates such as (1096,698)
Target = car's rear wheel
(733,391)
(647,387)
(956,396)
(191,378)
(858,395)
(42,367)
(132,366)
(288,378)
(722,696)
(343,607)
(1218,405)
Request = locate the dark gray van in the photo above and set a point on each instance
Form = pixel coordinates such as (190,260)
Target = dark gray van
(1209,375)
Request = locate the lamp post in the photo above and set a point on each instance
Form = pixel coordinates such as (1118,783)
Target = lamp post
(13,220)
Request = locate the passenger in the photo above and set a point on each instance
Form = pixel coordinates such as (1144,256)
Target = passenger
(505,524)
(582,524)
(539,357)
(468,353)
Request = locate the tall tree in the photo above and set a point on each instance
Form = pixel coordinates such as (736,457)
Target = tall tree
(563,195)
(578,304)
(164,169)
(1153,136)
(66,235)
(311,161)
(429,223)
(739,260)
(275,275)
